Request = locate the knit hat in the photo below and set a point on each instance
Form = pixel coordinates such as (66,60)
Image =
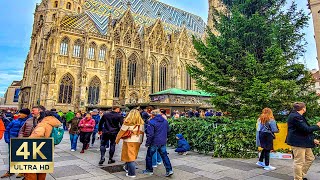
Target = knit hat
(25,111)
(95,110)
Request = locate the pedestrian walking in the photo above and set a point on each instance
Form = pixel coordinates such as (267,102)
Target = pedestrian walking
(74,130)
(301,139)
(109,127)
(157,133)
(86,126)
(132,133)
(43,130)
(267,127)
(96,117)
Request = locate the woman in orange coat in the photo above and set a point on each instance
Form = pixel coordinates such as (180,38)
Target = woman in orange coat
(42,130)
(131,145)
(2,128)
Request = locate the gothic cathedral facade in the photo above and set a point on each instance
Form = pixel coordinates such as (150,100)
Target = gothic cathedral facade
(101,53)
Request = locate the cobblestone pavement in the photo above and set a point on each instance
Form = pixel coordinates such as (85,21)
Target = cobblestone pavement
(73,165)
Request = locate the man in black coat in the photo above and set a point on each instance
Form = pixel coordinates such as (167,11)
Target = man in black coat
(301,139)
(109,126)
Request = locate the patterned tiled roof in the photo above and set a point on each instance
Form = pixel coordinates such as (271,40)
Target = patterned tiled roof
(145,12)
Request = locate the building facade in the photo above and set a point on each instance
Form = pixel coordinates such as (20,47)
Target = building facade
(100,53)
(314,6)
(11,97)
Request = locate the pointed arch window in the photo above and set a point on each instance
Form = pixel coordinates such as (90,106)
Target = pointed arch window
(91,51)
(69,5)
(188,81)
(94,91)
(56,4)
(66,89)
(64,46)
(117,75)
(163,76)
(153,78)
(102,53)
(79,10)
(77,49)
(132,69)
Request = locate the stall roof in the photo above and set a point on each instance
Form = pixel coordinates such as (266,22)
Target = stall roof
(176,91)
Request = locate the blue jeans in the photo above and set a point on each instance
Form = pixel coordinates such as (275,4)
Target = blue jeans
(74,140)
(156,158)
(163,153)
(94,133)
(131,167)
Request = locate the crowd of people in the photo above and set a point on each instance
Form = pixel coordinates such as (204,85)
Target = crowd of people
(131,127)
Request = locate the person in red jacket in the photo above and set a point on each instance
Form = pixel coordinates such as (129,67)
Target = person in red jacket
(86,126)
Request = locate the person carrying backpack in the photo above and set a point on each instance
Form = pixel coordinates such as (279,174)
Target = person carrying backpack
(43,130)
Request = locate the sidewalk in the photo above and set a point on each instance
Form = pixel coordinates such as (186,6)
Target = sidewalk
(73,165)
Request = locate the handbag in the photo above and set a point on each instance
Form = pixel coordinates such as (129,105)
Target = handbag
(129,133)
(269,129)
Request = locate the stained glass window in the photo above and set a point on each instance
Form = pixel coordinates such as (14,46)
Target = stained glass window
(66,89)
(64,46)
(94,91)
(77,49)
(163,76)
(188,81)
(91,50)
(152,78)
(117,75)
(132,69)
(102,53)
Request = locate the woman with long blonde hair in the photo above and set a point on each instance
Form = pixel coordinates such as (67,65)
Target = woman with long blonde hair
(267,126)
(131,132)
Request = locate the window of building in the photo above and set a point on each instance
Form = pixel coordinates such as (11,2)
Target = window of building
(188,81)
(163,76)
(117,75)
(152,78)
(102,53)
(91,50)
(77,49)
(64,46)
(132,69)
(94,91)
(56,4)
(79,10)
(66,89)
(69,5)
(16,95)
(53,17)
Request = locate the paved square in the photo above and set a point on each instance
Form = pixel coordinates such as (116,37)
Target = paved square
(73,165)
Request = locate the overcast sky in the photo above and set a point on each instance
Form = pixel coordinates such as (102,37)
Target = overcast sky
(16,17)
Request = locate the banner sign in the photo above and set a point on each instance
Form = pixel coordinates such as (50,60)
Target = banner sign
(31,155)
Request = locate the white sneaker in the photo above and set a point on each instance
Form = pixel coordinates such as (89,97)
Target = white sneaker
(269,168)
(130,176)
(159,163)
(261,164)
(154,166)
(73,150)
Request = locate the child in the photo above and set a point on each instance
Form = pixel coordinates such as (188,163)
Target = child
(183,145)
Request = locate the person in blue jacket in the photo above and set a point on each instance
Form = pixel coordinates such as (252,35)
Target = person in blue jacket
(96,116)
(183,145)
(12,131)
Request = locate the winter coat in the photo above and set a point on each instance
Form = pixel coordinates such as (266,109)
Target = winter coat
(130,146)
(183,143)
(28,126)
(44,128)
(97,120)
(111,123)
(2,129)
(157,131)
(300,133)
(74,123)
(87,125)
(13,129)
(69,116)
